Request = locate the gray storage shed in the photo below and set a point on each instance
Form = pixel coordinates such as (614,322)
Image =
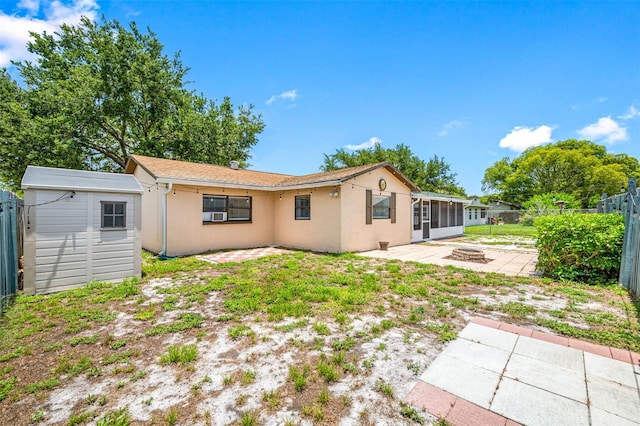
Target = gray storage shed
(80,226)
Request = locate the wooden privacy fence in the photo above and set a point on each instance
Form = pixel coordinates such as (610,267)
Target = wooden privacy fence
(10,245)
(627,205)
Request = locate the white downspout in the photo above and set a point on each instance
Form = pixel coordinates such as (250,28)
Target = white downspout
(163,252)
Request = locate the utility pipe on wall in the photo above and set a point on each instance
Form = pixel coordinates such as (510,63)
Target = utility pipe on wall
(163,252)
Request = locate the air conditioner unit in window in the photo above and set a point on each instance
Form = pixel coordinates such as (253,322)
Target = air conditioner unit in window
(219,217)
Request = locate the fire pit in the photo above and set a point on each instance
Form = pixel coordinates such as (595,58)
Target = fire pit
(467,254)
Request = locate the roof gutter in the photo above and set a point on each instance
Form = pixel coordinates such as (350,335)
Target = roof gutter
(248,186)
(163,252)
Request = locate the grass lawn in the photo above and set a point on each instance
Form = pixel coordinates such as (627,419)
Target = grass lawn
(285,339)
(505,229)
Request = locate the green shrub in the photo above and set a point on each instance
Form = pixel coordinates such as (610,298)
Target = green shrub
(580,247)
(547,205)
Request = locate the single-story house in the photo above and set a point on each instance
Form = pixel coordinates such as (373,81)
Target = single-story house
(437,216)
(80,226)
(190,208)
(476,212)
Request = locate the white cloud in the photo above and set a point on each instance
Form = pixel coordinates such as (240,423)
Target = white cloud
(521,138)
(631,113)
(453,124)
(606,128)
(365,145)
(593,103)
(31,5)
(14,29)
(290,95)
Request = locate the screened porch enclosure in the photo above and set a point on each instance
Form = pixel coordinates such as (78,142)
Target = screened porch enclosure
(437,218)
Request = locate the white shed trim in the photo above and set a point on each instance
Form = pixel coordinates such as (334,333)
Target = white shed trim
(36,177)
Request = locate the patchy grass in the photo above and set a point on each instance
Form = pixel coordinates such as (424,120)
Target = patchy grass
(179,354)
(297,325)
(186,321)
(505,229)
(152,267)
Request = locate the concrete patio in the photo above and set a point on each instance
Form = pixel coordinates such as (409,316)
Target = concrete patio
(504,260)
(501,374)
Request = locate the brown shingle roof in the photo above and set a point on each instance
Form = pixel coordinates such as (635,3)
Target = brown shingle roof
(161,168)
(187,172)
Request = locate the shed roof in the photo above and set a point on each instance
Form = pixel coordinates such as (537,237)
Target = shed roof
(36,177)
(165,170)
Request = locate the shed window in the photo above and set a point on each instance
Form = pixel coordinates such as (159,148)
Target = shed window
(303,207)
(114,214)
(222,208)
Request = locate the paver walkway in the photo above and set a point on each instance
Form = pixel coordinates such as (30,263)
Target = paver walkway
(501,374)
(506,261)
(241,255)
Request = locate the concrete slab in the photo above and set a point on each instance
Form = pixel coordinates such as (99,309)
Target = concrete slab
(602,418)
(489,336)
(484,356)
(609,369)
(532,406)
(550,353)
(506,261)
(558,380)
(614,398)
(544,381)
(468,381)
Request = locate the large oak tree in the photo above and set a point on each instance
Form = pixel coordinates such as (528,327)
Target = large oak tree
(577,167)
(98,92)
(434,175)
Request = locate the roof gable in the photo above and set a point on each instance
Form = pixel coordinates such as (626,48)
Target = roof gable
(208,174)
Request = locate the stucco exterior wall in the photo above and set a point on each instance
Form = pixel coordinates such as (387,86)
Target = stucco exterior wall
(151,215)
(320,233)
(356,234)
(186,234)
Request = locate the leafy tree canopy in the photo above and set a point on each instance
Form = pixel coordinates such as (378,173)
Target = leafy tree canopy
(98,92)
(580,168)
(434,175)
(552,201)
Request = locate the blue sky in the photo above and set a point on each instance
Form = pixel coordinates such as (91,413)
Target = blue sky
(472,82)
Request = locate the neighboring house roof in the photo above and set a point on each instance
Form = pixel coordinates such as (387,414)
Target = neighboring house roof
(183,172)
(498,203)
(440,197)
(476,203)
(78,180)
